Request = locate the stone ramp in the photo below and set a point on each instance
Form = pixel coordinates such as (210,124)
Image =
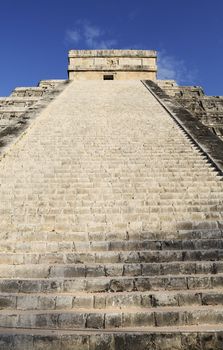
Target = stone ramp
(110,231)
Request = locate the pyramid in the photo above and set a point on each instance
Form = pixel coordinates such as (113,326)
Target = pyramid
(111,200)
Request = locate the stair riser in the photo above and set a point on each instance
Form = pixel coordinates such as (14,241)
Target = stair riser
(118,269)
(95,244)
(114,257)
(116,341)
(146,300)
(76,320)
(91,285)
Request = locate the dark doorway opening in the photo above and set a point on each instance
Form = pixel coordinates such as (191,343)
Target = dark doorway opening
(108,77)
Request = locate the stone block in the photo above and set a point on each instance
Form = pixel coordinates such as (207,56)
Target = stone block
(74,342)
(8,320)
(162,299)
(47,320)
(46,342)
(100,301)
(23,342)
(27,302)
(151,269)
(67,271)
(30,286)
(95,320)
(171,318)
(9,286)
(74,285)
(132,270)
(97,285)
(132,257)
(168,341)
(138,319)
(199,282)
(212,298)
(208,341)
(121,285)
(114,270)
(123,301)
(71,320)
(95,271)
(101,342)
(219,340)
(6,342)
(190,341)
(63,302)
(7,302)
(176,283)
(189,299)
(113,320)
(139,341)
(143,284)
(46,303)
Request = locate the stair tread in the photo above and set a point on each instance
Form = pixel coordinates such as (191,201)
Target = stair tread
(207,328)
(114,310)
(83,293)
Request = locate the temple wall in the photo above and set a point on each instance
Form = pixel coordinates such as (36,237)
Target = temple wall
(122,64)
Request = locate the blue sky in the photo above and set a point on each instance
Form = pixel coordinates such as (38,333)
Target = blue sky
(36,35)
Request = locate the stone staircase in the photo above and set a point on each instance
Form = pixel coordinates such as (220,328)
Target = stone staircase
(18,109)
(111,228)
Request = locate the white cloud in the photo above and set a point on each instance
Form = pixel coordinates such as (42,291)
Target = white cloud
(73,35)
(92,32)
(169,67)
(89,36)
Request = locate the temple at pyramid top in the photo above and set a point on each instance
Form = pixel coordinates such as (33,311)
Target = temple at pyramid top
(112,64)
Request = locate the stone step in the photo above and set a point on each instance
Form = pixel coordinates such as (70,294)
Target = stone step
(199,337)
(156,204)
(143,256)
(87,206)
(111,284)
(80,242)
(12,109)
(153,207)
(186,173)
(173,191)
(90,165)
(91,186)
(123,187)
(97,319)
(115,301)
(28,91)
(109,270)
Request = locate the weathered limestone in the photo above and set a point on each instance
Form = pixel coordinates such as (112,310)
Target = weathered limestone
(111,228)
(17,110)
(208,109)
(112,64)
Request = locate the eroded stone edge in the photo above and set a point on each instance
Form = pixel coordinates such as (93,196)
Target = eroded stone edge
(203,138)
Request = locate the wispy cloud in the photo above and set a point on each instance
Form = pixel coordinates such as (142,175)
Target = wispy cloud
(169,67)
(86,35)
(89,36)
(73,35)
